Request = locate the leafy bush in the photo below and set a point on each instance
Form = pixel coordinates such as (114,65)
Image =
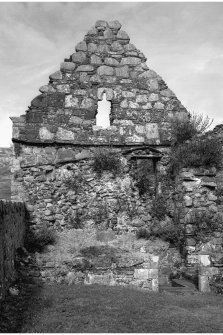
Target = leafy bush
(37,240)
(159,207)
(169,232)
(186,128)
(106,160)
(143,233)
(205,223)
(74,181)
(204,151)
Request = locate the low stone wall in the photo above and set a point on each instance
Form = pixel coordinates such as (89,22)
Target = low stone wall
(12,231)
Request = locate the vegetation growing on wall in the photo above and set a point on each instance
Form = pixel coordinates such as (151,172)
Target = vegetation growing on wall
(106,160)
(192,146)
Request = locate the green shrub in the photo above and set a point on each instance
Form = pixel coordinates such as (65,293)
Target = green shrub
(159,207)
(106,160)
(143,233)
(200,152)
(37,240)
(186,128)
(74,181)
(204,223)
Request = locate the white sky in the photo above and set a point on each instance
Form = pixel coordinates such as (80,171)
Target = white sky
(182,41)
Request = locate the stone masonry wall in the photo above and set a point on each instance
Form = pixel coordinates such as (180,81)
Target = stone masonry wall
(197,194)
(12,230)
(105,61)
(62,190)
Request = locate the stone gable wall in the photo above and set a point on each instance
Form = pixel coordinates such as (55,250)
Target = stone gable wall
(105,61)
(12,231)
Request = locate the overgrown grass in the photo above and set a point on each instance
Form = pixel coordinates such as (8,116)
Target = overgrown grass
(102,309)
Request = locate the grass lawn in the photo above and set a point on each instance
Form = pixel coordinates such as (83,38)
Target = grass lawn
(61,308)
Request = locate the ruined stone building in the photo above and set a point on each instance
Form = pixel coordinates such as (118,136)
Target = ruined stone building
(60,140)
(57,137)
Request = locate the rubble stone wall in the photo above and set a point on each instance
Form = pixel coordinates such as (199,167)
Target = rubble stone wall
(12,230)
(197,194)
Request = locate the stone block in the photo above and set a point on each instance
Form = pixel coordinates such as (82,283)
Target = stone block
(105,70)
(132,61)
(114,25)
(111,61)
(101,24)
(55,100)
(153,97)
(56,75)
(203,284)
(47,89)
(64,134)
(81,46)
(79,57)
(122,35)
(159,105)
(152,131)
(141,98)
(87,103)
(101,279)
(96,60)
(108,34)
(122,71)
(67,66)
(45,134)
(63,88)
(116,46)
(85,68)
(92,48)
(71,101)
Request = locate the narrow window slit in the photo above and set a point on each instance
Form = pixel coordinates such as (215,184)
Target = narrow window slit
(103,112)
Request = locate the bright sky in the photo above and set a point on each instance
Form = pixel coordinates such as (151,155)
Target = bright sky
(182,41)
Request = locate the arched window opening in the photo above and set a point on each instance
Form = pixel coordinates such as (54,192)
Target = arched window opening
(103,112)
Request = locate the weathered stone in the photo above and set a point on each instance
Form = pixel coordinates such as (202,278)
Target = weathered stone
(153,85)
(133,104)
(105,70)
(67,66)
(116,46)
(122,35)
(128,94)
(95,78)
(84,154)
(108,91)
(96,60)
(87,103)
(81,46)
(153,97)
(56,75)
(102,49)
(114,25)
(101,24)
(47,89)
(111,61)
(159,105)
(124,103)
(152,131)
(92,47)
(45,134)
(167,93)
(64,134)
(122,71)
(85,68)
(133,61)
(147,106)
(76,120)
(108,34)
(92,32)
(79,57)
(130,47)
(63,88)
(141,98)
(71,101)
(209,184)
(188,201)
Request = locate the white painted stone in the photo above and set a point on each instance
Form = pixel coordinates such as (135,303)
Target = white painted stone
(152,131)
(71,101)
(45,134)
(64,134)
